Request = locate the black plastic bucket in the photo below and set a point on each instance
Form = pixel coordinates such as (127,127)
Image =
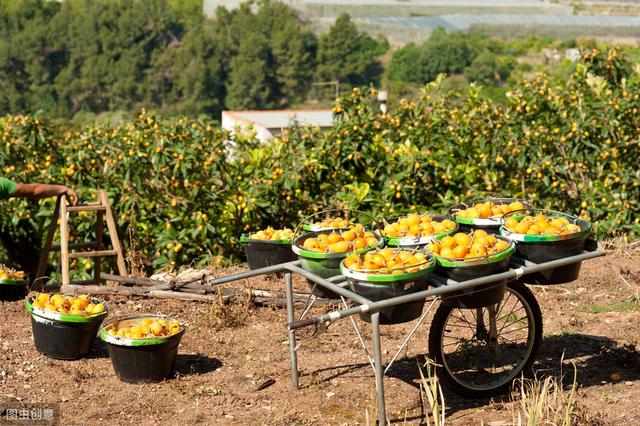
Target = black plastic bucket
(377,287)
(324,265)
(263,253)
(418,241)
(11,290)
(489,225)
(63,336)
(463,270)
(142,360)
(545,248)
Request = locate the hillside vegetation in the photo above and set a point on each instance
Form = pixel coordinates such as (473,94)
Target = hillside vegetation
(79,58)
(566,142)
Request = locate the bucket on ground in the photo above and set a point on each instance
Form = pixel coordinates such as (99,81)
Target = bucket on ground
(142,359)
(63,335)
(13,289)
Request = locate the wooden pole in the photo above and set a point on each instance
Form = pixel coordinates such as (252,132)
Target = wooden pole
(98,261)
(113,232)
(64,240)
(37,283)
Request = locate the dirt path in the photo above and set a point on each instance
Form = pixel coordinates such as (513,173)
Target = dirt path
(226,354)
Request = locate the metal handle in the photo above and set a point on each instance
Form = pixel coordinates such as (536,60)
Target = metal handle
(295,232)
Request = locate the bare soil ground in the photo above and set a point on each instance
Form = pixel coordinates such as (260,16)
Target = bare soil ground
(228,351)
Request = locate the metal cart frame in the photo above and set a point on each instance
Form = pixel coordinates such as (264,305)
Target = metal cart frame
(441,287)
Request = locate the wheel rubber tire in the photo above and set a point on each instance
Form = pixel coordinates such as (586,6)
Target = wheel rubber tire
(436,336)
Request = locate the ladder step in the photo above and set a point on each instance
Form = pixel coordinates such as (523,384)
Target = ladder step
(102,253)
(92,208)
(56,247)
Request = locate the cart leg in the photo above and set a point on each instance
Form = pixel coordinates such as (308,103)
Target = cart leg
(375,324)
(292,334)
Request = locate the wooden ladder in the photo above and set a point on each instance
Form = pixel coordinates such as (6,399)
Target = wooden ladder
(60,215)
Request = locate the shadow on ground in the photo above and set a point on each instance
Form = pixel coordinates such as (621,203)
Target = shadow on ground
(98,350)
(196,364)
(598,360)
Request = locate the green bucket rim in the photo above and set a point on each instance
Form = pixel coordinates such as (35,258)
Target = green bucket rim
(308,254)
(585,227)
(490,221)
(246,240)
(475,261)
(389,278)
(59,316)
(13,281)
(149,341)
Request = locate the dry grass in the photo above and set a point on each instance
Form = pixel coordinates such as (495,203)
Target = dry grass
(132,256)
(229,313)
(622,246)
(431,396)
(540,402)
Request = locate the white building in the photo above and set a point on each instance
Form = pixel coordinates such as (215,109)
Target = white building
(268,124)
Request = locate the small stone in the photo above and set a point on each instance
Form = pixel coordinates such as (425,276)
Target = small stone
(616,377)
(330,394)
(628,383)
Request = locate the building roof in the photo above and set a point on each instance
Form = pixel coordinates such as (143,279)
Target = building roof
(453,22)
(277,119)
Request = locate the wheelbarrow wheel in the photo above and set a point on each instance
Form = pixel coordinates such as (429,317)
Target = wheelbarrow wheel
(479,352)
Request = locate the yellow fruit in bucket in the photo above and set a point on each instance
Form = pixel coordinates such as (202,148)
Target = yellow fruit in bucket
(57,300)
(541,224)
(156,328)
(144,328)
(272,234)
(67,304)
(387,261)
(468,246)
(7,273)
(353,239)
(488,209)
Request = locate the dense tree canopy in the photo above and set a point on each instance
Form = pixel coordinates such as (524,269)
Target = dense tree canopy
(347,55)
(80,56)
(473,54)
